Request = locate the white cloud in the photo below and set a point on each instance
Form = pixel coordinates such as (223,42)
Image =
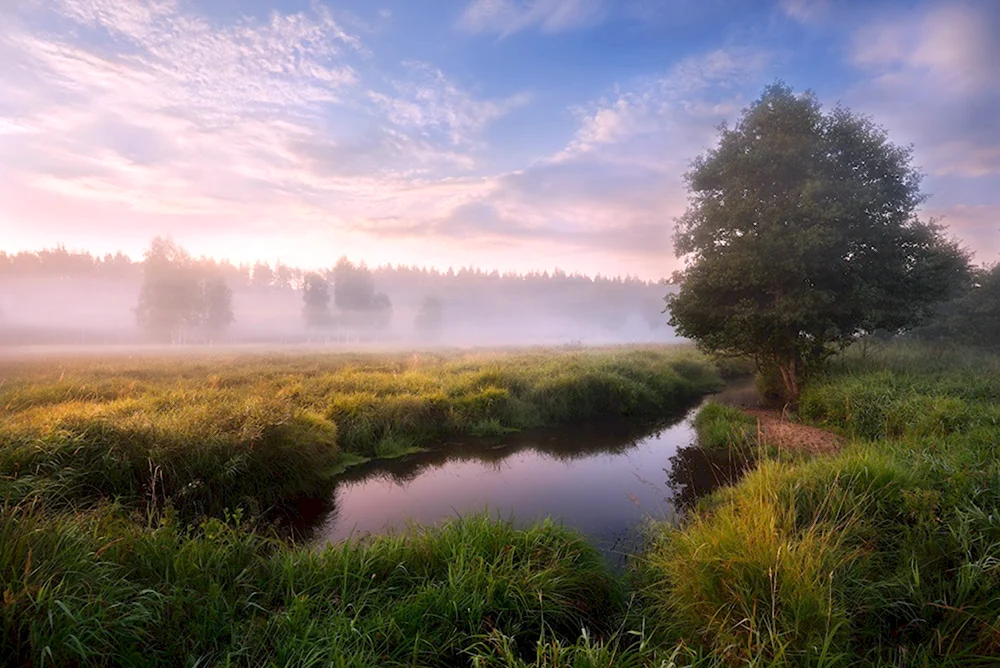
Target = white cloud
(697,92)
(429,102)
(10,126)
(806,11)
(616,186)
(143,118)
(931,77)
(505,17)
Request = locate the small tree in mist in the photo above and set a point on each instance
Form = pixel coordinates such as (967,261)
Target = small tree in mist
(802,234)
(316,300)
(263,276)
(973,316)
(169,295)
(353,286)
(355,296)
(217,304)
(179,295)
(381,310)
(430,317)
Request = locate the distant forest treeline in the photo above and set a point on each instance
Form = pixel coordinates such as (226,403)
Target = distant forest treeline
(64,296)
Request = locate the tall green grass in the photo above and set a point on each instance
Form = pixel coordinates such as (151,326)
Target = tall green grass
(101,590)
(206,434)
(885,554)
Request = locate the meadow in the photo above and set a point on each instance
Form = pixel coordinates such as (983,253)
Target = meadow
(204,434)
(135,494)
(885,553)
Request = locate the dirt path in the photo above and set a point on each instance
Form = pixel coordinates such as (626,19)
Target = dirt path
(778,431)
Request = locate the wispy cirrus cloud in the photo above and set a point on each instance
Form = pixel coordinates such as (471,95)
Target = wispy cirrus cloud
(294,134)
(431,104)
(168,122)
(505,17)
(616,185)
(684,104)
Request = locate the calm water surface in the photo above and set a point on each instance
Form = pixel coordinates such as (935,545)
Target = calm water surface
(602,479)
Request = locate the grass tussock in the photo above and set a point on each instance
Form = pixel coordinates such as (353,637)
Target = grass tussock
(884,554)
(722,427)
(202,435)
(100,590)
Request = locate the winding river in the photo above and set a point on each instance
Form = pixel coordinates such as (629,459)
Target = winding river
(603,479)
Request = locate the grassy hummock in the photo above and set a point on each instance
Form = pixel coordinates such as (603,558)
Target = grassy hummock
(208,433)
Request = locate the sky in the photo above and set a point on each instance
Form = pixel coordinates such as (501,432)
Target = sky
(508,134)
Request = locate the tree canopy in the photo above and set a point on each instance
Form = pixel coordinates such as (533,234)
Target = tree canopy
(802,233)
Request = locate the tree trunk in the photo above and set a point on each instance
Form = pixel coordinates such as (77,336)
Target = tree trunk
(789,375)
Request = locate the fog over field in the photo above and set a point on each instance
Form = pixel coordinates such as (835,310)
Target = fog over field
(59,297)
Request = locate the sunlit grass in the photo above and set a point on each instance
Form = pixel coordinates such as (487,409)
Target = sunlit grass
(205,434)
(886,553)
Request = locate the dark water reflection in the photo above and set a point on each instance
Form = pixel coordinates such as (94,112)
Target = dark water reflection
(603,479)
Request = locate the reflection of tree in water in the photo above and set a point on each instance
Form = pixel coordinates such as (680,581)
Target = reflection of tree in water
(564,443)
(299,517)
(694,472)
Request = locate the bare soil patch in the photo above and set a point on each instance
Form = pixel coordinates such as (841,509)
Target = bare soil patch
(777,430)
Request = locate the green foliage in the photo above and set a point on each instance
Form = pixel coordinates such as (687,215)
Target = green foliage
(97,590)
(802,234)
(179,294)
(972,317)
(355,296)
(883,554)
(315,300)
(725,427)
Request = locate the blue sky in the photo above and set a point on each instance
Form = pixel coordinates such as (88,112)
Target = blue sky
(510,134)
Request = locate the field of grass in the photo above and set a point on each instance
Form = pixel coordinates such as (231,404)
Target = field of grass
(204,434)
(102,590)
(887,553)
(131,492)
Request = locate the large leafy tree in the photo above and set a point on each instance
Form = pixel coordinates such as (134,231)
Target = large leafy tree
(801,234)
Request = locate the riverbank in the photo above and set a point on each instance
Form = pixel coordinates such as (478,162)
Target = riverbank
(133,493)
(883,553)
(203,434)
